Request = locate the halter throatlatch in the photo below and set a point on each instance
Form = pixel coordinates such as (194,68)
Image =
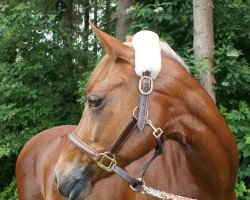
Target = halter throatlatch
(148,68)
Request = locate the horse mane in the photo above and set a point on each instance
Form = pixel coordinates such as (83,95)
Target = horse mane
(169,52)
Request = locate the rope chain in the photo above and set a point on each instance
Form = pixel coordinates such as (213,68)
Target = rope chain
(148,191)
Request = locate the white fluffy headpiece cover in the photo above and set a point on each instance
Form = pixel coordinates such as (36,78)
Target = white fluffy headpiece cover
(147,53)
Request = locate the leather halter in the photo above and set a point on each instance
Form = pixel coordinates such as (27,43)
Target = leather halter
(106,160)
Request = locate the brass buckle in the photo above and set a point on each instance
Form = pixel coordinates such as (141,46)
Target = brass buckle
(112,162)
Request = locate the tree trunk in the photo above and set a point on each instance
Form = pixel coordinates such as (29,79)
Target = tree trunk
(69,5)
(86,6)
(95,23)
(107,14)
(204,41)
(67,19)
(122,17)
(86,18)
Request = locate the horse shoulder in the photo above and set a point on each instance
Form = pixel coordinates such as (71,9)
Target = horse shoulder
(36,161)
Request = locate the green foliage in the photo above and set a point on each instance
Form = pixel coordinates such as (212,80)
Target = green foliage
(9,192)
(165,18)
(41,61)
(232,50)
(241,191)
(239,122)
(196,65)
(38,87)
(232,69)
(82,83)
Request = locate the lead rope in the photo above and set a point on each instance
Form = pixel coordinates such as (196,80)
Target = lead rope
(151,192)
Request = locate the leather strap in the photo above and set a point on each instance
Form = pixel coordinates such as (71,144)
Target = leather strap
(158,151)
(114,147)
(134,183)
(145,86)
(130,179)
(124,174)
(83,147)
(96,156)
(121,139)
(112,151)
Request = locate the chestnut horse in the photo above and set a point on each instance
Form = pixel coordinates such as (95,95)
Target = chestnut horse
(200,158)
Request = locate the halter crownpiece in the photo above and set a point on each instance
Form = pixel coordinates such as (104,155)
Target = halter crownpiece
(147,53)
(147,65)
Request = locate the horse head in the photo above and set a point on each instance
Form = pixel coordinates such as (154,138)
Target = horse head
(112,96)
(178,105)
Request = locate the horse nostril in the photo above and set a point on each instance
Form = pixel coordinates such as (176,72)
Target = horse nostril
(61,192)
(55,178)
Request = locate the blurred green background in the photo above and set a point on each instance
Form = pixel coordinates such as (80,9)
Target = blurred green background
(47,53)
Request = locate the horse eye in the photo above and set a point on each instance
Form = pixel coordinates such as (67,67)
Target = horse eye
(94,101)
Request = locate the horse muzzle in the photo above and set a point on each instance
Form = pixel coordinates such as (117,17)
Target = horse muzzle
(75,185)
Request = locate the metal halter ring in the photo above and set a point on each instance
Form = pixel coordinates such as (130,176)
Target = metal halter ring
(133,188)
(151,85)
(136,109)
(157,132)
(138,180)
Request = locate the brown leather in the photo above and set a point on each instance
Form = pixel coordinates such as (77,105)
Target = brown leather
(123,136)
(124,174)
(112,151)
(96,157)
(83,147)
(143,99)
(158,151)
(115,147)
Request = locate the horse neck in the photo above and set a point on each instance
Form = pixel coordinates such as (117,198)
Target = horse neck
(193,120)
(185,96)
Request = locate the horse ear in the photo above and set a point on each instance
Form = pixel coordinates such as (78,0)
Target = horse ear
(113,47)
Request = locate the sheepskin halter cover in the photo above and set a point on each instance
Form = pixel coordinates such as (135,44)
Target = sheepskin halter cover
(147,53)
